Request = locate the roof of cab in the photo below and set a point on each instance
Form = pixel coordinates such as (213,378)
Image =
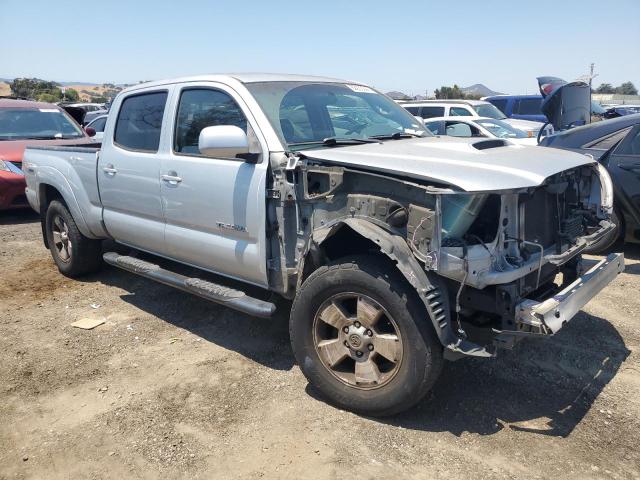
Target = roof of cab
(242,78)
(442,101)
(27,104)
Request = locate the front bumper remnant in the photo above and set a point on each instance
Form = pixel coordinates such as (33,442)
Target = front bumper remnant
(550,315)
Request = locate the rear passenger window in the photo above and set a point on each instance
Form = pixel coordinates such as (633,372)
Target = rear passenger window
(459,112)
(431,112)
(529,106)
(609,141)
(140,121)
(500,104)
(200,108)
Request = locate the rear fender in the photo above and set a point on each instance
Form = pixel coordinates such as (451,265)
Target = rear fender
(51,178)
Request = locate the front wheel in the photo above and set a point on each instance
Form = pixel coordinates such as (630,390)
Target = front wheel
(361,336)
(74,254)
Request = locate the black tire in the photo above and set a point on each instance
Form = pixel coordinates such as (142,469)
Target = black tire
(377,279)
(604,244)
(83,255)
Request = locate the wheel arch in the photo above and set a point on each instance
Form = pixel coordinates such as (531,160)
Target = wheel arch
(428,287)
(48,192)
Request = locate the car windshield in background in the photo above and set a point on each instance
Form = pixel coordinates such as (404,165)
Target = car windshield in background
(305,114)
(36,124)
(489,110)
(501,129)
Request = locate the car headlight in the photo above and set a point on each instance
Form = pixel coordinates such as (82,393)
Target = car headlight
(606,189)
(3,166)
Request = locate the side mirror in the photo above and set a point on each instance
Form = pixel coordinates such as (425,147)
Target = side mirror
(223,141)
(90,131)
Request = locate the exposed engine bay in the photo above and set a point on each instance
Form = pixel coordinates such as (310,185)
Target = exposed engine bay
(486,252)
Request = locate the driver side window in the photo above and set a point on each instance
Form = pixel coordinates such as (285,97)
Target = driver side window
(200,108)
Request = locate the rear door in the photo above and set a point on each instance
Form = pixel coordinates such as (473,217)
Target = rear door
(214,207)
(128,171)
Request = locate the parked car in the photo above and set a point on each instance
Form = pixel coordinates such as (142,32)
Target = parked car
(616,145)
(467,108)
(25,123)
(525,107)
(96,127)
(621,110)
(91,116)
(390,242)
(83,112)
(478,127)
(529,107)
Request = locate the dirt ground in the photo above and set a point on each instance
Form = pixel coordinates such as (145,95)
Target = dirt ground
(174,387)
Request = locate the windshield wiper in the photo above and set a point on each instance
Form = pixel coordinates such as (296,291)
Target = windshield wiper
(331,141)
(396,136)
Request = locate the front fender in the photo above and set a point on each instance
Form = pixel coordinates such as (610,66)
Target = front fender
(427,284)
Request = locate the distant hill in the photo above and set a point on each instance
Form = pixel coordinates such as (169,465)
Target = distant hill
(479,90)
(87,91)
(395,95)
(5,90)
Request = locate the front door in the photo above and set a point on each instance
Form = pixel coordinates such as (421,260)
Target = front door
(214,207)
(128,172)
(624,167)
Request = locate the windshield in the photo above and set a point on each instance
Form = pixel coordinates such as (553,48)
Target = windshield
(489,110)
(36,123)
(501,129)
(305,114)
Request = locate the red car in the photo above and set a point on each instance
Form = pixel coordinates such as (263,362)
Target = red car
(24,123)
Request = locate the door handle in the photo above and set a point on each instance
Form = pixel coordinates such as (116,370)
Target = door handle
(171,178)
(109,169)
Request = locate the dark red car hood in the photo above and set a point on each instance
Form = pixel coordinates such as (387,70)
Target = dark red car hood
(13,150)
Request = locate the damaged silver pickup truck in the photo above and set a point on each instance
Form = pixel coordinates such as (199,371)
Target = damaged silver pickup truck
(397,248)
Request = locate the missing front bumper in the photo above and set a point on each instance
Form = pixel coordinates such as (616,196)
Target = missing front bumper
(550,315)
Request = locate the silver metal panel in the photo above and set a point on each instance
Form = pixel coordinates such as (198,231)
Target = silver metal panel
(129,183)
(215,214)
(455,161)
(559,309)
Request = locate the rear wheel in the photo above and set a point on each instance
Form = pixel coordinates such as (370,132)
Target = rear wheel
(73,253)
(361,336)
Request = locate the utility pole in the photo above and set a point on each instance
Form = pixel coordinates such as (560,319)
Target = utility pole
(591,75)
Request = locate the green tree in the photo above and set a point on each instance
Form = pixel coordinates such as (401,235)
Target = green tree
(627,88)
(48,97)
(33,87)
(605,88)
(71,95)
(452,93)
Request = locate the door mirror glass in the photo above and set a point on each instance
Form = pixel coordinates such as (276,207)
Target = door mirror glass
(223,141)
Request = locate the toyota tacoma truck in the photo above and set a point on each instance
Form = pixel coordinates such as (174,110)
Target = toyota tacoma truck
(398,249)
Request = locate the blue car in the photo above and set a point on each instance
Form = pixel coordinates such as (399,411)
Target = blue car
(525,107)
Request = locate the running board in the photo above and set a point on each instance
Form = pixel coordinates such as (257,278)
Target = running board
(210,291)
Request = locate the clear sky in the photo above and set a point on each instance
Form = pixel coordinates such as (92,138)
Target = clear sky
(409,46)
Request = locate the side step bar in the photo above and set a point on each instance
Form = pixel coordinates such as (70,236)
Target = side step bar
(210,291)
